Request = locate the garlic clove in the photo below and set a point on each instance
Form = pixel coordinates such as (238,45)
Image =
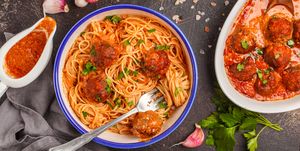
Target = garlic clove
(194,140)
(55,6)
(81,3)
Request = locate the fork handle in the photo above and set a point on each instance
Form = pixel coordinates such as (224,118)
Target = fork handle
(87,137)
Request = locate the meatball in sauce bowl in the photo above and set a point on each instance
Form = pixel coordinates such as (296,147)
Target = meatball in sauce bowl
(259,52)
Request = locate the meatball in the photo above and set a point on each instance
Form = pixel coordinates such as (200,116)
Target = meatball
(292,78)
(279,30)
(245,70)
(242,41)
(146,124)
(156,63)
(95,89)
(267,83)
(277,55)
(297,31)
(104,54)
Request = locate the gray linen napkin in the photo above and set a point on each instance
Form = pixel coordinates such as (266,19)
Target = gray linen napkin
(31,120)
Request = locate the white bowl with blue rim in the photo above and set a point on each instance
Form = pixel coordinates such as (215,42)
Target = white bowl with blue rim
(108,138)
(236,97)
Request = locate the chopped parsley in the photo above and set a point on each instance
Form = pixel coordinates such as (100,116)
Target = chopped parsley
(140,41)
(88,68)
(177,91)
(117,102)
(162,47)
(113,19)
(98,98)
(82,33)
(244,44)
(121,74)
(107,89)
(84,114)
(162,105)
(109,104)
(267,71)
(264,81)
(152,30)
(291,43)
(240,67)
(108,81)
(130,103)
(259,51)
(93,51)
(259,74)
(126,43)
(135,73)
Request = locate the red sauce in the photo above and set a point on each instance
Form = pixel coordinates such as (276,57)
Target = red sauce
(255,19)
(23,56)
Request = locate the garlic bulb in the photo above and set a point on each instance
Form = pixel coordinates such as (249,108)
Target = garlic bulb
(81,3)
(55,6)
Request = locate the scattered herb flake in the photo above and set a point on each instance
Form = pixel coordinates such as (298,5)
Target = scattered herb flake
(259,74)
(259,51)
(162,105)
(88,68)
(82,33)
(240,67)
(152,30)
(126,43)
(93,51)
(291,43)
(140,41)
(108,81)
(162,47)
(114,19)
(135,73)
(84,114)
(244,44)
(177,91)
(130,103)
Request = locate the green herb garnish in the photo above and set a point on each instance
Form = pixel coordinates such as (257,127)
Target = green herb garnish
(240,67)
(152,30)
(259,74)
(114,19)
(98,98)
(162,47)
(84,114)
(177,91)
(109,104)
(82,33)
(93,51)
(108,81)
(88,68)
(107,89)
(244,44)
(117,102)
(126,42)
(291,43)
(259,51)
(130,103)
(162,105)
(140,41)
(264,81)
(135,73)
(223,124)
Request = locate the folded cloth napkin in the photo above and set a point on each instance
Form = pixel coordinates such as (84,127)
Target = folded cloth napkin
(31,119)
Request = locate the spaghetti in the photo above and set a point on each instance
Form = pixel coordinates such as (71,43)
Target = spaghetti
(108,68)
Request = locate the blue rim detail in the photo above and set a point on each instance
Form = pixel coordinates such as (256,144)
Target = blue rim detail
(126,145)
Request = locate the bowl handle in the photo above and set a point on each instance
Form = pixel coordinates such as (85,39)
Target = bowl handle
(3,88)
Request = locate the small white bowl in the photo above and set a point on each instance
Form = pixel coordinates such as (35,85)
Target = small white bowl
(236,97)
(109,138)
(8,81)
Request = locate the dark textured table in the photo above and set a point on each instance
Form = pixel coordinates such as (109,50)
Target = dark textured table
(16,15)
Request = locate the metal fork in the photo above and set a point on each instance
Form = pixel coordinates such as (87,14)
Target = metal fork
(146,102)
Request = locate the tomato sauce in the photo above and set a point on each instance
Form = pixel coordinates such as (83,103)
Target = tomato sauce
(255,19)
(23,56)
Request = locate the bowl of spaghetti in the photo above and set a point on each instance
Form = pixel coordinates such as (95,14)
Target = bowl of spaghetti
(109,59)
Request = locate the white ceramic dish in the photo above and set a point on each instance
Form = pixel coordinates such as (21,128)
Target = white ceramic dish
(108,138)
(236,97)
(6,80)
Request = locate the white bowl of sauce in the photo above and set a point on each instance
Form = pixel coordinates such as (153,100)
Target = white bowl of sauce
(264,87)
(25,56)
